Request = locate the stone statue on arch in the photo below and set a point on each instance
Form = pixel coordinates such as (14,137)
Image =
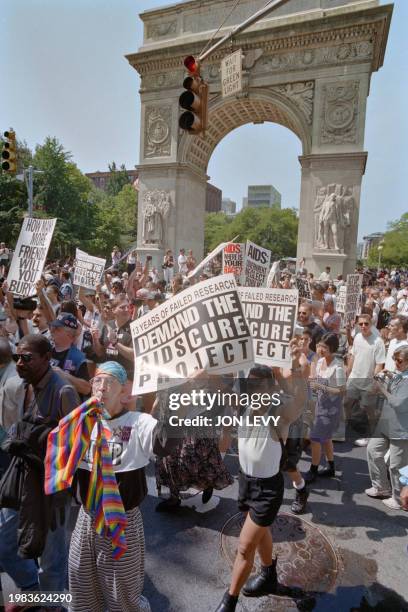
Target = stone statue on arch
(334,212)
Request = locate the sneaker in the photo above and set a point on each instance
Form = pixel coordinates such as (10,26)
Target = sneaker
(392,503)
(327,472)
(373,492)
(361,442)
(299,503)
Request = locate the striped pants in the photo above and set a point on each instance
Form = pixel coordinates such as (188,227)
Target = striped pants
(97,582)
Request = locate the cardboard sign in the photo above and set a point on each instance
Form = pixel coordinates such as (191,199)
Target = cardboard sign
(257,265)
(207,259)
(274,275)
(233,257)
(303,287)
(203,327)
(88,270)
(341,299)
(271,315)
(353,292)
(30,255)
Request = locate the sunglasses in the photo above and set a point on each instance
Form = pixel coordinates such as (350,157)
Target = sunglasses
(364,324)
(24,357)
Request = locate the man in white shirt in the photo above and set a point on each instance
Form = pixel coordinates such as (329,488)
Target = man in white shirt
(182,262)
(398,329)
(367,359)
(325,276)
(388,299)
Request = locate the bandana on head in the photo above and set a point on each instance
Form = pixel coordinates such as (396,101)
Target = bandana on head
(113,368)
(66,447)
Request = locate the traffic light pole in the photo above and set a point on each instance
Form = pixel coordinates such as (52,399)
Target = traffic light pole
(274,4)
(29,176)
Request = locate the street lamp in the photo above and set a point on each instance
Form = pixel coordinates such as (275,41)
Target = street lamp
(380,248)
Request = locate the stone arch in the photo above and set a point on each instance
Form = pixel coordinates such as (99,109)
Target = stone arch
(225,115)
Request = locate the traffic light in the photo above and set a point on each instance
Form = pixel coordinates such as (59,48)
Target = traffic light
(194,100)
(9,152)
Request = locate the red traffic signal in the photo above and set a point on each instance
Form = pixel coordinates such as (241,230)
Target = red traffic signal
(194,100)
(192,65)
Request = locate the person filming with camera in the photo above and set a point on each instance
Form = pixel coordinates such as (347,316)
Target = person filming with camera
(391,433)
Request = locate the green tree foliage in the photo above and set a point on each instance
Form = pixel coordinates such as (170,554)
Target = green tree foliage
(274,229)
(119,178)
(13,206)
(395,245)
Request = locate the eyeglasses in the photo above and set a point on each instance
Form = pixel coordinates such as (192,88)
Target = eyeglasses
(98,381)
(24,357)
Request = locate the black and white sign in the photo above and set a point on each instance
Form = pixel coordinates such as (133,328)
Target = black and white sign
(303,286)
(257,265)
(353,291)
(231,74)
(233,257)
(271,315)
(274,275)
(341,299)
(203,327)
(88,270)
(30,255)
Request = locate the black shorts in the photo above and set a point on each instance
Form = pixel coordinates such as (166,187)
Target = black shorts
(293,453)
(261,497)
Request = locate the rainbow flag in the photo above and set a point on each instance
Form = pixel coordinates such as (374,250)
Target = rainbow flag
(66,447)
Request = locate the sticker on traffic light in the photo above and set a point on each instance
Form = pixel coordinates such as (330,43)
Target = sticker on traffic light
(194,100)
(9,153)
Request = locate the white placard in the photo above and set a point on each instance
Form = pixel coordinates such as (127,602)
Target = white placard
(271,315)
(233,257)
(353,292)
(231,74)
(274,274)
(207,259)
(341,299)
(30,255)
(88,270)
(257,265)
(203,327)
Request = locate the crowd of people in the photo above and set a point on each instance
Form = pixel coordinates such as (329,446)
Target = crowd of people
(67,344)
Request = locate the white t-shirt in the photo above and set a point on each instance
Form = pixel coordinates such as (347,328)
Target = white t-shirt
(131,443)
(367,353)
(392,347)
(259,455)
(388,302)
(325,276)
(182,264)
(403,306)
(335,373)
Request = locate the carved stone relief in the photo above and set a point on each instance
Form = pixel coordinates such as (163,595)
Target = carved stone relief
(156,207)
(334,211)
(172,78)
(302,94)
(160,30)
(157,131)
(339,113)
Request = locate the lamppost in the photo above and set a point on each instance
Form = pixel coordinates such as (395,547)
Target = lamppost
(380,248)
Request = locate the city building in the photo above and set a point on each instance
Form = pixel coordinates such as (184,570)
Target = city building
(360,247)
(228,206)
(370,241)
(262,196)
(213,199)
(101,179)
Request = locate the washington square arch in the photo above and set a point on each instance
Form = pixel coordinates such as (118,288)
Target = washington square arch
(308,67)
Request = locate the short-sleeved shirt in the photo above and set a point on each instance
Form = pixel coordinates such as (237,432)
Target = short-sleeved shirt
(367,353)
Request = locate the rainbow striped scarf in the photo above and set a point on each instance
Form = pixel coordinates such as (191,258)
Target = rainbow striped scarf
(66,447)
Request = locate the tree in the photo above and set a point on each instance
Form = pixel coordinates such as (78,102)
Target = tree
(118,179)
(274,229)
(395,245)
(125,204)
(13,207)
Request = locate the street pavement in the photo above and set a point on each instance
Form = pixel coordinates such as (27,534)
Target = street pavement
(187,570)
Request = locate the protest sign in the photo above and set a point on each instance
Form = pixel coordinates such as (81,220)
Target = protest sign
(271,315)
(341,299)
(30,255)
(257,265)
(203,327)
(353,290)
(303,287)
(274,274)
(233,256)
(88,270)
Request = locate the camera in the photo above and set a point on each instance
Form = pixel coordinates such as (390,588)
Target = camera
(24,304)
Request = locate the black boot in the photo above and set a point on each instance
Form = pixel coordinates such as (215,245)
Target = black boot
(329,471)
(300,501)
(207,495)
(172,504)
(266,583)
(311,475)
(228,603)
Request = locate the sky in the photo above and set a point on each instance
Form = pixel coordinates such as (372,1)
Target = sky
(63,73)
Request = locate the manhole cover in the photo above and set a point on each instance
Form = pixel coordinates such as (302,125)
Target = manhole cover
(306,558)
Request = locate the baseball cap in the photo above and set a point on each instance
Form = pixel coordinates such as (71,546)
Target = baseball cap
(66,319)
